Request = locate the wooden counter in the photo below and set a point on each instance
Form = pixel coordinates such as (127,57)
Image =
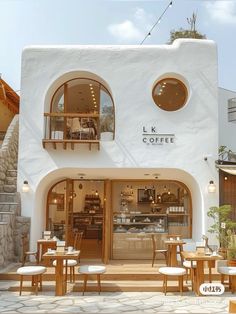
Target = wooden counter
(135,245)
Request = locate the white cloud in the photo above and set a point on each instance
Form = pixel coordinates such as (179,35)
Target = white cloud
(126,31)
(133,29)
(222,11)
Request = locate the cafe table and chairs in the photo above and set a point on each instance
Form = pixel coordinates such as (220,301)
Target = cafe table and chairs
(198,271)
(174,246)
(61,258)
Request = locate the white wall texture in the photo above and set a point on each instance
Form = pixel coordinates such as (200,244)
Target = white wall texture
(227,130)
(130,73)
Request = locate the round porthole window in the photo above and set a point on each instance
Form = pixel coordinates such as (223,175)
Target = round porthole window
(170,94)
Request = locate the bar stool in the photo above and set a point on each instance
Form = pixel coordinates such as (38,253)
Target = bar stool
(34,271)
(172,271)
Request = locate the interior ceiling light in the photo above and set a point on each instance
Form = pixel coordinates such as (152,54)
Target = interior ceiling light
(90,84)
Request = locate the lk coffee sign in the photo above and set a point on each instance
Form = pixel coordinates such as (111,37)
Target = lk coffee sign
(151,136)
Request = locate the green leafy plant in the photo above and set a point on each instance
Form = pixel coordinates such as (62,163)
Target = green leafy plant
(231,248)
(223,152)
(223,227)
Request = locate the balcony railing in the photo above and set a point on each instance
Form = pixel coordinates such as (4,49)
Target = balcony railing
(71,128)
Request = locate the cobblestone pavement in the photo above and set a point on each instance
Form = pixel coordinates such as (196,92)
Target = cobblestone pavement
(112,302)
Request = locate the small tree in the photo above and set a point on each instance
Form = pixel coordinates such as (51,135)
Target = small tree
(222,225)
(187,33)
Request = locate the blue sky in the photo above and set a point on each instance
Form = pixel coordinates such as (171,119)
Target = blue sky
(28,22)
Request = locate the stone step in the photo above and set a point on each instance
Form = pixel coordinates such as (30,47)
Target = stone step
(12,173)
(9,197)
(9,188)
(10,180)
(10,207)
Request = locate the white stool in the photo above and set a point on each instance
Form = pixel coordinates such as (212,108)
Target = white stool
(34,271)
(172,271)
(92,270)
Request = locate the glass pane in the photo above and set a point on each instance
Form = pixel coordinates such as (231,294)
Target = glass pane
(107,123)
(170,94)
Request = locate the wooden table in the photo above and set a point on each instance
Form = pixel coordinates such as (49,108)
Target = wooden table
(60,280)
(199,270)
(172,251)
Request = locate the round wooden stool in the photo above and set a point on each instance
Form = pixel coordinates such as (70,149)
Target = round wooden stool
(87,270)
(34,271)
(172,271)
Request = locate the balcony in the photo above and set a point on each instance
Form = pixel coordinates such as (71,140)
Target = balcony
(70,129)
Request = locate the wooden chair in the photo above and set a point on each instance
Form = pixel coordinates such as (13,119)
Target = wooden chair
(25,252)
(156,251)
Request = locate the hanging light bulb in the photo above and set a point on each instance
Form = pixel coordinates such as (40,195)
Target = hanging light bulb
(96,193)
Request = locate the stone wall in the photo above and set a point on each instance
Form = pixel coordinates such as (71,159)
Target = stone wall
(12,225)
(9,151)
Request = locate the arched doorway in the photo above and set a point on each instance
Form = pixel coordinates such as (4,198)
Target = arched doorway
(77,206)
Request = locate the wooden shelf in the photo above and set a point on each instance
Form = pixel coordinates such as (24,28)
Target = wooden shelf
(134,223)
(180,214)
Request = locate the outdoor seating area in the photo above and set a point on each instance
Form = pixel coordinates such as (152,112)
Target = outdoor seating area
(60,268)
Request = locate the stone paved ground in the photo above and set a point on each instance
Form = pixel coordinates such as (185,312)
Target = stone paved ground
(111,302)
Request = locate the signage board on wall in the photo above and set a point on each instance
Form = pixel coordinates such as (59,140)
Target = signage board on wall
(151,136)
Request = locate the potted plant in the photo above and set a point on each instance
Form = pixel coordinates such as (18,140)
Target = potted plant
(224,229)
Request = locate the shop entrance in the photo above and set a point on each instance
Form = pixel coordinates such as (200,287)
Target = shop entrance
(78,206)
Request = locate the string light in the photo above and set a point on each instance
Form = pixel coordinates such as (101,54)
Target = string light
(157,22)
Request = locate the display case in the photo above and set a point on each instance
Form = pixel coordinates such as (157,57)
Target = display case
(166,218)
(136,222)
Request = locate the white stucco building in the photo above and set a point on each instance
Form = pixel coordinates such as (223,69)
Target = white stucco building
(149,142)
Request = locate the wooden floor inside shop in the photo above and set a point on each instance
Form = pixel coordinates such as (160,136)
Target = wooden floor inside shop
(91,249)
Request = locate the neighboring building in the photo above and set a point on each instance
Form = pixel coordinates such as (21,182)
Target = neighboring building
(227,131)
(9,106)
(227,120)
(113,141)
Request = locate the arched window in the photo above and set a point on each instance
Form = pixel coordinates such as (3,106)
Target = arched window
(82,109)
